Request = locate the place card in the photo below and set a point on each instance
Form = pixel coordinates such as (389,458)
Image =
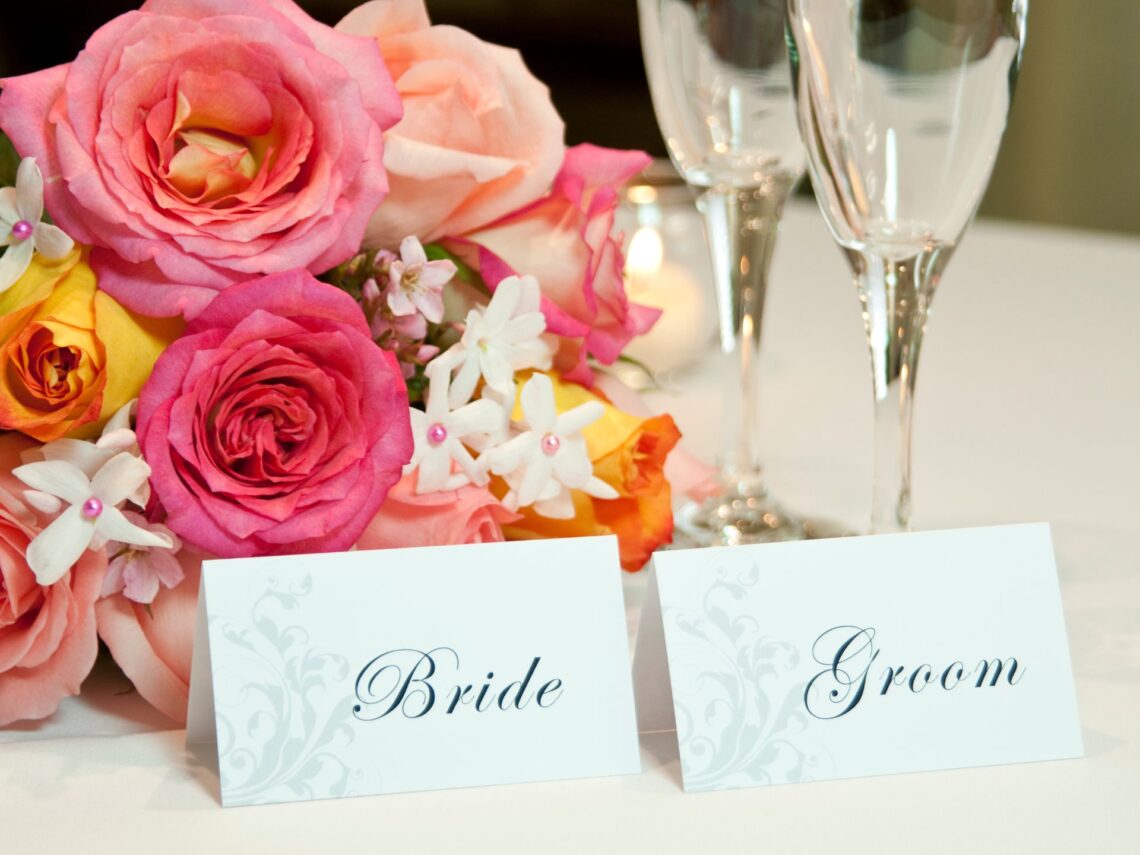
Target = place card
(322,676)
(793,662)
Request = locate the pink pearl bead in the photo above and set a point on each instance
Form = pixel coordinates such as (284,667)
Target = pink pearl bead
(92,508)
(437,434)
(22,230)
(551,444)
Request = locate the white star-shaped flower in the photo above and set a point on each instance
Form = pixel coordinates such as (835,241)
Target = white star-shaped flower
(93,517)
(501,432)
(503,338)
(438,433)
(416,284)
(549,458)
(21,209)
(90,457)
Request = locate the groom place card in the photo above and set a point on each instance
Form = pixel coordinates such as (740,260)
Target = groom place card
(858,656)
(360,673)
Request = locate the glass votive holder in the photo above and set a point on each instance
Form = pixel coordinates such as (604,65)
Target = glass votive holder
(667,266)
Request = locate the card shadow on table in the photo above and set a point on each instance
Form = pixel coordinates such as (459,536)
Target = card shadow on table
(661,746)
(196,763)
(202,763)
(1098,742)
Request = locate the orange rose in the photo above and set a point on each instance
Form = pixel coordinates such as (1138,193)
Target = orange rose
(70,356)
(628,453)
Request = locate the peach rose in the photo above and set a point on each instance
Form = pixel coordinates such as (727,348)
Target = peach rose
(566,240)
(153,643)
(468,515)
(479,137)
(47,634)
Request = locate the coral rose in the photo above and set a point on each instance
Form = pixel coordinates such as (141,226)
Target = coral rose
(629,453)
(275,424)
(47,634)
(70,356)
(467,515)
(198,143)
(153,643)
(566,241)
(479,138)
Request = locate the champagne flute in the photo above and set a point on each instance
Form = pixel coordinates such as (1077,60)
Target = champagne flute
(902,105)
(719,77)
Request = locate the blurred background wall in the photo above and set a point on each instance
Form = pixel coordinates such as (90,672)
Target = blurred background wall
(1071,155)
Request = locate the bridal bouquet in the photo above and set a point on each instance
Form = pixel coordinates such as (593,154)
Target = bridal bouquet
(273,287)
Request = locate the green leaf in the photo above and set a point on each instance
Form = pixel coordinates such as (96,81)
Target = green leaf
(463,271)
(9,162)
(417,386)
(650,374)
(352,274)
(651,382)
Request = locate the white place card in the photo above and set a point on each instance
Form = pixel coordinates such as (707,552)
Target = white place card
(359,673)
(842,658)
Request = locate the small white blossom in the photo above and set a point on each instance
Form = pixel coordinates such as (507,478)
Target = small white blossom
(501,432)
(439,433)
(503,338)
(416,284)
(140,571)
(21,209)
(549,458)
(93,516)
(90,457)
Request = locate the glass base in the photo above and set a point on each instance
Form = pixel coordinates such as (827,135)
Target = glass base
(735,519)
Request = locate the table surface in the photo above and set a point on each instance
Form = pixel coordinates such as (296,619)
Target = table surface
(1028,409)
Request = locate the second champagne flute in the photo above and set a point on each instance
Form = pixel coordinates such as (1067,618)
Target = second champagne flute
(902,104)
(719,76)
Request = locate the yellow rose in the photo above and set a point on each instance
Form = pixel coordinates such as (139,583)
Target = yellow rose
(70,356)
(628,453)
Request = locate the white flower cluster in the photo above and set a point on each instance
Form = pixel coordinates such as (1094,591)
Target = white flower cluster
(95,480)
(541,456)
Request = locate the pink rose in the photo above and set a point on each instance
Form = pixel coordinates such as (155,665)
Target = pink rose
(468,515)
(197,143)
(565,240)
(275,424)
(47,634)
(479,137)
(153,644)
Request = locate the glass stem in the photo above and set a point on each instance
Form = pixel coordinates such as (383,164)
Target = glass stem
(895,293)
(741,226)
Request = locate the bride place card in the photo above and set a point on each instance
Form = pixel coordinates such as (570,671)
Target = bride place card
(863,656)
(361,673)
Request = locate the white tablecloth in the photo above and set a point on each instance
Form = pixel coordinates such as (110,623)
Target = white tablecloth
(1028,409)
